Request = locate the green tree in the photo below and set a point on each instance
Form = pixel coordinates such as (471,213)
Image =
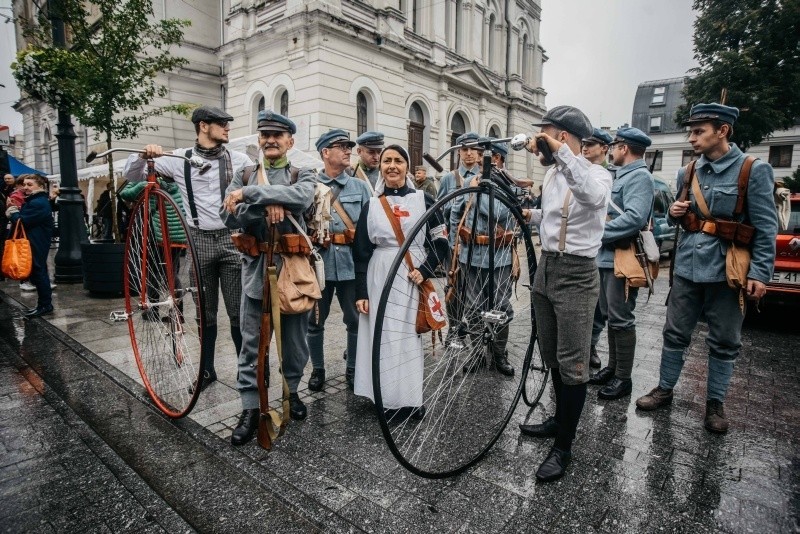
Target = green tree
(793,181)
(749,48)
(106,77)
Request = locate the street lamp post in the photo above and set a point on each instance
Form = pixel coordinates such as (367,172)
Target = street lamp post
(70,205)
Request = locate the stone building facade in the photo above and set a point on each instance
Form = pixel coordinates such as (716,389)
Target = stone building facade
(421,71)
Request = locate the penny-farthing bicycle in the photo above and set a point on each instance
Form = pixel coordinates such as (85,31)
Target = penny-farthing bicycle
(467,400)
(160,271)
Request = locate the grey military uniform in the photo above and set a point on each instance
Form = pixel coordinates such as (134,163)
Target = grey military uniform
(699,285)
(340,273)
(249,215)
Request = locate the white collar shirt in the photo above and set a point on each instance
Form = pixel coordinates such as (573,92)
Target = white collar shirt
(591,187)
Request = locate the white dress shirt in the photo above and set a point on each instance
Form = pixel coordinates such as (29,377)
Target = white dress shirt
(205,187)
(591,187)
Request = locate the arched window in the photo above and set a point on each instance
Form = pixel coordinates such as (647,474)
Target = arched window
(361,113)
(490,58)
(416,134)
(285,103)
(457,126)
(262,103)
(494,132)
(526,60)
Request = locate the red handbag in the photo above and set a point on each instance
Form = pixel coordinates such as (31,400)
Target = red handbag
(17,255)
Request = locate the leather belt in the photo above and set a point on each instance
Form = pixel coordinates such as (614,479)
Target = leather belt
(506,238)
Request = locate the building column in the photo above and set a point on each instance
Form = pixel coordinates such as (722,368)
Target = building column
(443,126)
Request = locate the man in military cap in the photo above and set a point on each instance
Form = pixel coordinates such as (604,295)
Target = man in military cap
(629,211)
(369,148)
(469,166)
(707,201)
(202,191)
(566,286)
(595,147)
(423,181)
(275,188)
(349,194)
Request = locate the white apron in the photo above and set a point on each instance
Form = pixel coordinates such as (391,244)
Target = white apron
(402,362)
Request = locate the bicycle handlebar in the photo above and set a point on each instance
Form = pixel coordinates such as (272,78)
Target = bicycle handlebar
(194,161)
(518,142)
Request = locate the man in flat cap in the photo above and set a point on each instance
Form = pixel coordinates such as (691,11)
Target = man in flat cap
(275,188)
(469,165)
(369,148)
(349,194)
(202,191)
(711,210)
(423,182)
(629,210)
(565,290)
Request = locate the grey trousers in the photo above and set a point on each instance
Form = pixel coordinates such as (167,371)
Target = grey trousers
(220,264)
(295,350)
(346,293)
(720,305)
(611,305)
(565,292)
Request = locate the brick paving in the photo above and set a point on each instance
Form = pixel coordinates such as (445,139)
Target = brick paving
(632,471)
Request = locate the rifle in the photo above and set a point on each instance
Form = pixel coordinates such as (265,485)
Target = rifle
(271,424)
(264,435)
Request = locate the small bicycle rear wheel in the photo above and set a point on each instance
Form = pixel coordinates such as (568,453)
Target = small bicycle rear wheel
(536,379)
(163,299)
(442,402)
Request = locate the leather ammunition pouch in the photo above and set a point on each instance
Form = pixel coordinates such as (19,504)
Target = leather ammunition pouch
(739,233)
(287,244)
(501,238)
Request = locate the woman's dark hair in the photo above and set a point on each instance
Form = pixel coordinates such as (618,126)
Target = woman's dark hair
(400,150)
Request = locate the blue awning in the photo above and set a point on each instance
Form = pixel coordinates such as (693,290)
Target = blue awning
(17,167)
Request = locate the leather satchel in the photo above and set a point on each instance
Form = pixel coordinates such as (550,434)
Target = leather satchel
(17,255)
(430,311)
(298,286)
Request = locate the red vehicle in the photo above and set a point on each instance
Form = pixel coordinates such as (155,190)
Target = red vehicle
(785,284)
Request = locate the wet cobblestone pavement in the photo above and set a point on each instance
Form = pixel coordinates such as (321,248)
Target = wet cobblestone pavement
(632,471)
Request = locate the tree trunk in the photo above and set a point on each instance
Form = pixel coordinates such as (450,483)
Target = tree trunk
(113,193)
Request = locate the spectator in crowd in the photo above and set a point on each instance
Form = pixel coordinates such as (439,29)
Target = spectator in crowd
(105,212)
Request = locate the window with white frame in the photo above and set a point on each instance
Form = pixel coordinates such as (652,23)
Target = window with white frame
(655,123)
(658,95)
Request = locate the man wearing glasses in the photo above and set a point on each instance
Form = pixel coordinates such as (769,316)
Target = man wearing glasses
(348,195)
(202,191)
(595,149)
(628,212)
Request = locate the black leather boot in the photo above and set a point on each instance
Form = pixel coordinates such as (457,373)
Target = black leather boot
(245,428)
(616,389)
(601,377)
(594,359)
(500,354)
(554,465)
(297,409)
(546,429)
(317,380)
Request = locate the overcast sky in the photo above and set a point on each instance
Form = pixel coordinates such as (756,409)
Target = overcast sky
(599,51)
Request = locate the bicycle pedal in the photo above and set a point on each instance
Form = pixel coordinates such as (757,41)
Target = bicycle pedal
(118,316)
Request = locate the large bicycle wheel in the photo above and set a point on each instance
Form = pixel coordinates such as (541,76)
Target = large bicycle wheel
(441,401)
(537,377)
(163,299)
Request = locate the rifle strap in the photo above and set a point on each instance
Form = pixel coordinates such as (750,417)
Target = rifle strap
(279,420)
(454,252)
(348,222)
(363,176)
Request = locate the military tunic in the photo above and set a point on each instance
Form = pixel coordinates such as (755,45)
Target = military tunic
(340,271)
(699,285)
(250,216)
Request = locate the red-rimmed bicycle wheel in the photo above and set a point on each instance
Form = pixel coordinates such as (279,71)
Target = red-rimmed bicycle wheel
(163,300)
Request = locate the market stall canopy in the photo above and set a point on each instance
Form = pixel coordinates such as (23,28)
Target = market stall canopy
(16,167)
(247,144)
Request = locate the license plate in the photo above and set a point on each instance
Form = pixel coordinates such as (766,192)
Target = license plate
(786,278)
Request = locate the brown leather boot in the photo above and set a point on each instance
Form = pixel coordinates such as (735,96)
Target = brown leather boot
(715,417)
(655,399)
